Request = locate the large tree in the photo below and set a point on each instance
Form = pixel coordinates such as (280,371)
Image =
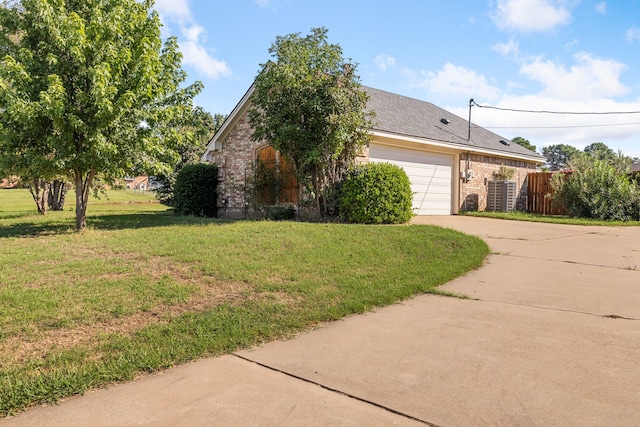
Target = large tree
(308,105)
(87,89)
(600,151)
(559,155)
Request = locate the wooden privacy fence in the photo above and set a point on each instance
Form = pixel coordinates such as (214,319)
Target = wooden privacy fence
(538,194)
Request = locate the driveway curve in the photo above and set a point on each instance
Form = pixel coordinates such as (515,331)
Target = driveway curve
(550,336)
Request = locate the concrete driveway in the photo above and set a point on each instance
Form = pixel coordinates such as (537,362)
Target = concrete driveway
(552,337)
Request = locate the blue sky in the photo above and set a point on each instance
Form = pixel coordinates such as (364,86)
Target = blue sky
(559,55)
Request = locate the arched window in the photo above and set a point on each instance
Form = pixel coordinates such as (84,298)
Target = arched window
(276,180)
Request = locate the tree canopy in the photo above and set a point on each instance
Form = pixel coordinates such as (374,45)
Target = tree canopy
(562,156)
(559,155)
(600,151)
(524,142)
(87,89)
(198,133)
(308,105)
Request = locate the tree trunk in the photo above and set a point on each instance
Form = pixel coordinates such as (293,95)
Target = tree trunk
(83,187)
(57,195)
(318,194)
(39,190)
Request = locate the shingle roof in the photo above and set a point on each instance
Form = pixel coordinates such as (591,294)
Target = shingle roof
(411,117)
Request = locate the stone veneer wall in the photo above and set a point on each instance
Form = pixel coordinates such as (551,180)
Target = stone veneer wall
(235,163)
(473,194)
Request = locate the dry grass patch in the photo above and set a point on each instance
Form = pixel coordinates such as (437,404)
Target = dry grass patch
(143,292)
(205,292)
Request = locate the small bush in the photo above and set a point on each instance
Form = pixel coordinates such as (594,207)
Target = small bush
(376,193)
(196,190)
(504,173)
(281,213)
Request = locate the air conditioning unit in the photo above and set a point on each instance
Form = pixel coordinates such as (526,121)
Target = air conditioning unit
(501,196)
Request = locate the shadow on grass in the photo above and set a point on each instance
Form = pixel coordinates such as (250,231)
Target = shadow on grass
(18,215)
(105,222)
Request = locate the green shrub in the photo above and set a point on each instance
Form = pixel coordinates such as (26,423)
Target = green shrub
(281,213)
(196,190)
(376,193)
(596,189)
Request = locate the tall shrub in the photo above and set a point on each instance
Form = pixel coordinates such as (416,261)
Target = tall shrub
(597,189)
(196,190)
(376,193)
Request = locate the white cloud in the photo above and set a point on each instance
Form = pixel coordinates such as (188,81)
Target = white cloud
(590,78)
(453,80)
(617,131)
(506,49)
(601,7)
(192,42)
(633,34)
(384,61)
(195,54)
(530,15)
(263,3)
(589,84)
(174,9)
(193,32)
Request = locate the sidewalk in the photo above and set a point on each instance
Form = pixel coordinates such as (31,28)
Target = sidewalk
(551,338)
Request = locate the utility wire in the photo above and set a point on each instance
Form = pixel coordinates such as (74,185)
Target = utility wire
(554,112)
(560,127)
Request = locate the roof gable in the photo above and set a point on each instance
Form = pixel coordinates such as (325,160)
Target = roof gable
(403,116)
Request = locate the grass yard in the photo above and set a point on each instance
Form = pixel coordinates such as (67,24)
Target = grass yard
(142,290)
(553,219)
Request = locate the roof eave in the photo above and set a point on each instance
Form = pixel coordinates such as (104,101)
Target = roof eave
(459,147)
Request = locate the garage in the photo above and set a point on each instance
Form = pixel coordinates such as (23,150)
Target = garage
(429,174)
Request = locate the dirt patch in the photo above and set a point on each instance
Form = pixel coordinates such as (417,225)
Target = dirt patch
(208,293)
(18,350)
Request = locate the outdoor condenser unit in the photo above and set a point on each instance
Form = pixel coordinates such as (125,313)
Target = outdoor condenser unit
(502,196)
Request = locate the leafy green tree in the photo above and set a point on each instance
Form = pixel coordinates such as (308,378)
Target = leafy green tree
(199,132)
(600,151)
(524,142)
(308,105)
(559,155)
(88,89)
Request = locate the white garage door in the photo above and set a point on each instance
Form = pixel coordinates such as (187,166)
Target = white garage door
(429,174)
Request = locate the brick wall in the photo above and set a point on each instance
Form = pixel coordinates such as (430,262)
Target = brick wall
(235,164)
(473,194)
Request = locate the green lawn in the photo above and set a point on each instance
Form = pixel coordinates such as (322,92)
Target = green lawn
(553,219)
(142,290)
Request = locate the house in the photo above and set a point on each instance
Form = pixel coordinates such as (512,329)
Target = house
(142,183)
(449,164)
(11,182)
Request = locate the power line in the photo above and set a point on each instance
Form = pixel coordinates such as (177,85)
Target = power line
(555,112)
(560,127)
